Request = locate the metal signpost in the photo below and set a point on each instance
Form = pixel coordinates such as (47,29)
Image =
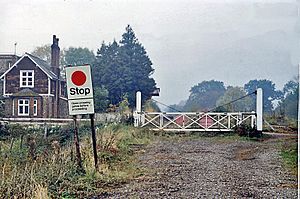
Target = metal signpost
(81,102)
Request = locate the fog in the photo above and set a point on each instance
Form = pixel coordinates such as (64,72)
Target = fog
(187,41)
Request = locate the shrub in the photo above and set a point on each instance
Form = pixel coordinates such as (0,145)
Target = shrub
(247,131)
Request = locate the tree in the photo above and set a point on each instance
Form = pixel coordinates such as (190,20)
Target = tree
(151,106)
(204,95)
(124,68)
(101,99)
(43,52)
(269,92)
(289,105)
(78,56)
(70,56)
(233,93)
(290,87)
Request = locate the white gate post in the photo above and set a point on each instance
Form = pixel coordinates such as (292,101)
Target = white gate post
(138,109)
(138,102)
(252,119)
(259,110)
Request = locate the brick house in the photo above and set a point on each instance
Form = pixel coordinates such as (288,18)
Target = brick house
(33,88)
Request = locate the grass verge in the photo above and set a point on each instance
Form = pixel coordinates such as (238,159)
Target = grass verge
(289,154)
(46,167)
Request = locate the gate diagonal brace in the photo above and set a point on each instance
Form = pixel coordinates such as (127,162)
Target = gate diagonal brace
(217,122)
(171,121)
(196,121)
(149,121)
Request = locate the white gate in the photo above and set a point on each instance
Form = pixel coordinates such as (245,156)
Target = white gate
(202,121)
(194,121)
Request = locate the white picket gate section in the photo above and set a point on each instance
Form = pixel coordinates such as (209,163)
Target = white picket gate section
(198,121)
(190,121)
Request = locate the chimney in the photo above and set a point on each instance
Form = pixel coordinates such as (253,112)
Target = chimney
(55,50)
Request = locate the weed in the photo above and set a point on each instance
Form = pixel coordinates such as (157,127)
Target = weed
(45,167)
(289,153)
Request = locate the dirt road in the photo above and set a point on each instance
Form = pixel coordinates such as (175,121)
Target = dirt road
(210,168)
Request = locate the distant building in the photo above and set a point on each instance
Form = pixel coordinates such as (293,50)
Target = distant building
(6,61)
(33,88)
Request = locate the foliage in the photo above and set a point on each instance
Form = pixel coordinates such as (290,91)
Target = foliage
(289,105)
(100,99)
(45,167)
(44,52)
(124,106)
(78,56)
(70,56)
(269,92)
(124,68)
(289,153)
(204,95)
(247,131)
(233,93)
(151,106)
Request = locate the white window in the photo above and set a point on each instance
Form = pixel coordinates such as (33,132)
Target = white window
(27,78)
(35,107)
(23,107)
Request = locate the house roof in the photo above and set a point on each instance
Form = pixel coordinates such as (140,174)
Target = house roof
(42,64)
(26,93)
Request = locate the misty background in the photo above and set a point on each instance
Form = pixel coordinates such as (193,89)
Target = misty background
(187,41)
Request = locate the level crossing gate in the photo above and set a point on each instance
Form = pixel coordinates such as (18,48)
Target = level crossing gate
(198,121)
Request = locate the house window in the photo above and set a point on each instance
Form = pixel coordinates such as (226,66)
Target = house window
(27,78)
(23,107)
(35,107)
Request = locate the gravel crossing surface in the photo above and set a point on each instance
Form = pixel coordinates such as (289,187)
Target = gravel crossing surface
(213,167)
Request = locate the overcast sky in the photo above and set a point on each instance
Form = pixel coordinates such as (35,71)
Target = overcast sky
(188,41)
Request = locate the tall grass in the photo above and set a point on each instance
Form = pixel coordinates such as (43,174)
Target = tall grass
(45,168)
(289,153)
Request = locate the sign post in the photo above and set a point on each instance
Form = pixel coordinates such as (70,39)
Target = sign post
(80,101)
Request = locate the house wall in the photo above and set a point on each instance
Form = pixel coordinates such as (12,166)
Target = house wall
(11,106)
(63,111)
(13,78)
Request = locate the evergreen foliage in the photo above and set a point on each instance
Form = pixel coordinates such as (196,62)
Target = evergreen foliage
(100,99)
(124,68)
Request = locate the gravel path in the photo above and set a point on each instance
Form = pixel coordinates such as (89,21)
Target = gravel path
(210,168)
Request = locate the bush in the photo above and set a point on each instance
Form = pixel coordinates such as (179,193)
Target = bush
(247,131)
(47,167)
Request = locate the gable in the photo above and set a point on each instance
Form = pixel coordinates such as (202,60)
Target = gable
(29,61)
(26,64)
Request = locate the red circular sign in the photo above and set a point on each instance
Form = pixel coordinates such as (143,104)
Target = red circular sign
(78,78)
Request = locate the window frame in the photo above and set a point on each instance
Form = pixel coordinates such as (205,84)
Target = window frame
(35,107)
(24,105)
(26,78)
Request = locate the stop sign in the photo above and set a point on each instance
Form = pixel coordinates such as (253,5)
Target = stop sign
(80,90)
(79,82)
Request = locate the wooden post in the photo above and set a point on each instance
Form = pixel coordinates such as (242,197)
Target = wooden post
(77,146)
(94,140)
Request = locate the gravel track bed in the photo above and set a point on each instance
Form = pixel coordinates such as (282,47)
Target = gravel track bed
(210,168)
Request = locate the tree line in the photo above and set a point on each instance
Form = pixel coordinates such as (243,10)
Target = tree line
(214,96)
(119,70)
